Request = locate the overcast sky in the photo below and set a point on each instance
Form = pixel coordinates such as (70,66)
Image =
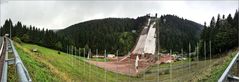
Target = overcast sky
(61,14)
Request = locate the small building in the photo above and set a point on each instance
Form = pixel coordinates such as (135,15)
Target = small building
(167,58)
(98,56)
(111,56)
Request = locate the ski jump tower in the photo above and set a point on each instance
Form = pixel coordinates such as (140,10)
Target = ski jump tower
(143,53)
(146,43)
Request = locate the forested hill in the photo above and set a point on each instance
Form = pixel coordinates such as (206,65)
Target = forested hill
(221,34)
(176,33)
(110,33)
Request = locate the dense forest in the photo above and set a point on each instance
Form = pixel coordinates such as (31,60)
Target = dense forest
(219,36)
(177,33)
(32,34)
(109,34)
(113,34)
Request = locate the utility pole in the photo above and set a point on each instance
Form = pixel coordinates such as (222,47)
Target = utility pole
(189,56)
(10,31)
(210,45)
(157,30)
(105,68)
(67,49)
(129,66)
(84,61)
(170,67)
(205,53)
(117,53)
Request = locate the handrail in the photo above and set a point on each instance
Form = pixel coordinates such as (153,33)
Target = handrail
(4,73)
(224,76)
(5,67)
(21,69)
(2,46)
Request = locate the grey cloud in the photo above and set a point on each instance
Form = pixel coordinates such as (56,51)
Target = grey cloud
(61,14)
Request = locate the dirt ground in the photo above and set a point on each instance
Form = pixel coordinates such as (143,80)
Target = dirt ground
(126,67)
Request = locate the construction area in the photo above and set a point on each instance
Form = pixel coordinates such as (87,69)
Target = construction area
(141,56)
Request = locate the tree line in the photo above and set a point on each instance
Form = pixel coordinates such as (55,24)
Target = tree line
(109,34)
(113,34)
(32,34)
(177,33)
(219,36)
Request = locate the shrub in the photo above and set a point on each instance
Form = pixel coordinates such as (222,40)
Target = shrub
(18,40)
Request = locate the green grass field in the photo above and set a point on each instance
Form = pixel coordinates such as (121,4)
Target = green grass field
(48,66)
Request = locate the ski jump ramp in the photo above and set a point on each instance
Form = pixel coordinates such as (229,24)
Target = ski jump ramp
(150,42)
(146,43)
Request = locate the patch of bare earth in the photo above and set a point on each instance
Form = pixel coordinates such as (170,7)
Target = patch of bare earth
(125,67)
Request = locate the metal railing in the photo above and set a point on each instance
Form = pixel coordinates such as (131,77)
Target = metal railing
(226,76)
(21,69)
(5,64)
(2,45)
(22,73)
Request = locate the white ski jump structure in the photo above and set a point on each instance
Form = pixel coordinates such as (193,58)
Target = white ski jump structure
(147,41)
(150,43)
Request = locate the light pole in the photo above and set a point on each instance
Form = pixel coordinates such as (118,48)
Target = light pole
(10,31)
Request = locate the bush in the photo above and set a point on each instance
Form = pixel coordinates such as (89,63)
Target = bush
(25,38)
(18,40)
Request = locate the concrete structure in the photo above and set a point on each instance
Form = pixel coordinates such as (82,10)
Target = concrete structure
(150,43)
(146,43)
(139,48)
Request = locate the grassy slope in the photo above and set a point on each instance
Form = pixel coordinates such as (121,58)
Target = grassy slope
(221,66)
(203,71)
(48,66)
